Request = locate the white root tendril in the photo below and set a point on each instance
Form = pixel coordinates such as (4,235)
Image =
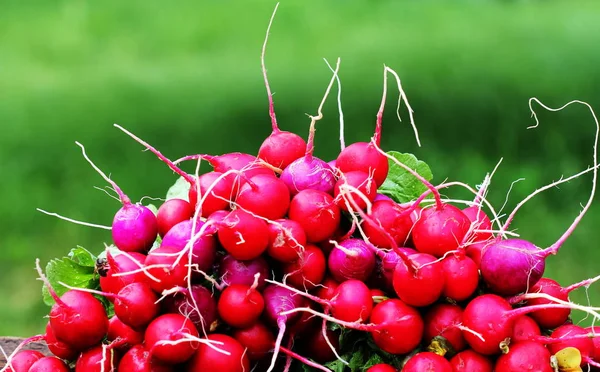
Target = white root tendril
(339,102)
(74,221)
(402,97)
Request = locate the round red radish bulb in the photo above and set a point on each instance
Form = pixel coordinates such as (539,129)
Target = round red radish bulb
(163,264)
(58,348)
(525,356)
(317,213)
(442,320)
(49,364)
(164,331)
(286,240)
(440,229)
(470,361)
(136,305)
(352,301)
(461,277)
(23,360)
(308,270)
(327,289)
(171,213)
(549,318)
(138,359)
(486,315)
(209,359)
(265,196)
(318,349)
(427,361)
(125,336)
(281,148)
(122,263)
(421,285)
(243,236)
(240,306)
(525,329)
(392,219)
(189,302)
(257,339)
(584,345)
(360,181)
(479,221)
(364,157)
(97,359)
(403,327)
(382,368)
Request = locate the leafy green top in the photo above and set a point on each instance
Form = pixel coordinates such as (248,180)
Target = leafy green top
(402,186)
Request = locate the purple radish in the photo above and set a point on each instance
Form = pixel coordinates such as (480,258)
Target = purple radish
(203,249)
(351,259)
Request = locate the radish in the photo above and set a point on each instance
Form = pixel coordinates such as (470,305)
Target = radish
(136,305)
(265,196)
(240,306)
(327,289)
(23,360)
(479,221)
(134,227)
(171,212)
(421,286)
(351,259)
(549,318)
(124,336)
(442,320)
(440,228)
(169,266)
(525,356)
(400,326)
(234,271)
(474,250)
(470,361)
(217,190)
(461,277)
(121,270)
(286,239)
(197,304)
(427,362)
(203,247)
(58,348)
(243,236)
(317,213)
(525,329)
(360,181)
(138,359)
(382,368)
(257,339)
(171,338)
(585,345)
(318,349)
(308,270)
(49,364)
(596,340)
(390,217)
(97,359)
(207,358)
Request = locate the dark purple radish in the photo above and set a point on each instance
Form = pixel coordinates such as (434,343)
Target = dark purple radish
(317,213)
(444,320)
(169,265)
(364,157)
(427,361)
(138,359)
(172,212)
(401,327)
(360,181)
(134,227)
(390,217)
(216,192)
(234,271)
(479,221)
(243,236)
(204,246)
(209,359)
(265,196)
(198,305)
(170,338)
(421,285)
(121,264)
(23,360)
(281,148)
(58,348)
(100,358)
(470,361)
(286,240)
(549,318)
(49,364)
(461,277)
(351,259)
(308,270)
(525,356)
(123,335)
(136,305)
(585,345)
(525,329)
(257,339)
(240,306)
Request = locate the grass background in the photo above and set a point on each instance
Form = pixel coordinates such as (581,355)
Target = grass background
(185,76)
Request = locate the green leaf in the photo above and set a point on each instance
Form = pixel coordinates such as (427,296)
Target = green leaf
(402,186)
(373,360)
(179,190)
(82,257)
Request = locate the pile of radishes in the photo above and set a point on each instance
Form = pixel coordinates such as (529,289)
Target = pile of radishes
(285,261)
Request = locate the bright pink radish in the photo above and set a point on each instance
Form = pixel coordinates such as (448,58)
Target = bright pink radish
(286,239)
(525,356)
(121,263)
(257,339)
(382,368)
(359,180)
(188,303)
(168,338)
(352,259)
(237,161)
(240,306)
(549,318)
(234,271)
(138,359)
(401,326)
(487,316)
(389,216)
(317,213)
(216,192)
(58,348)
(423,286)
(265,196)
(207,358)
(309,174)
(525,329)
(23,360)
(584,345)
(308,270)
(134,228)
(364,157)
(380,197)
(461,277)
(97,359)
(243,236)
(427,362)
(442,320)
(440,229)
(171,213)
(281,148)
(204,247)
(169,265)
(596,340)
(49,364)
(317,348)
(125,336)
(470,361)
(136,305)
(479,221)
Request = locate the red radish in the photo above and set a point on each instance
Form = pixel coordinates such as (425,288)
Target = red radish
(525,329)
(525,356)
(234,271)
(169,265)
(282,148)
(207,358)
(327,289)
(243,236)
(317,348)
(401,326)
(136,305)
(364,157)
(442,320)
(596,340)
(470,361)
(49,364)
(286,240)
(171,213)
(549,318)
(58,348)
(237,161)
(204,244)
(124,336)
(265,196)
(257,339)
(378,295)
(427,362)
(317,213)
(189,302)
(121,263)
(97,359)
(216,192)
(440,229)
(240,306)
(382,368)
(479,221)
(420,287)
(461,277)
(584,345)
(474,250)
(138,359)
(352,259)
(301,327)
(363,182)
(387,266)
(309,270)
(23,360)
(389,216)
(168,338)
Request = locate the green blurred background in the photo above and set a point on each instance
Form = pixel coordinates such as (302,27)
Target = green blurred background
(185,76)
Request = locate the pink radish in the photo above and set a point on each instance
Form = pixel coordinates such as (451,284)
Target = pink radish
(317,213)
(171,212)
(470,361)
(243,236)
(49,364)
(234,271)
(128,264)
(207,358)
(204,244)
(196,303)
(523,356)
(352,259)
(427,362)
